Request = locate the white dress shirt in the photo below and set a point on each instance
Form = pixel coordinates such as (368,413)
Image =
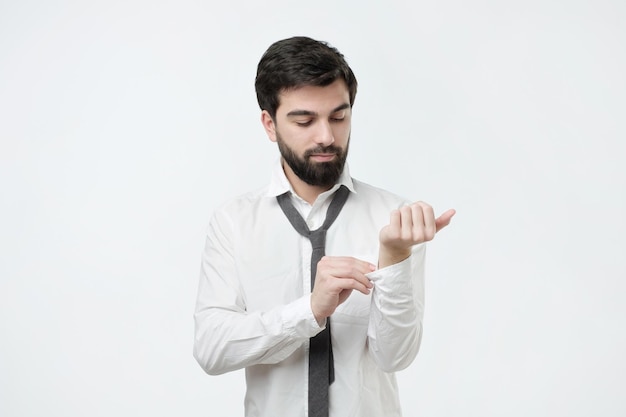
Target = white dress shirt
(253,309)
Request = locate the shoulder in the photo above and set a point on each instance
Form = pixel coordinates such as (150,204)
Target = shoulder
(240,212)
(244,204)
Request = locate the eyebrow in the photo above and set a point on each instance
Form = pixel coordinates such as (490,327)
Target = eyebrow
(312,113)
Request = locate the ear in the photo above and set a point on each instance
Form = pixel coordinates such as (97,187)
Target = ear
(269,125)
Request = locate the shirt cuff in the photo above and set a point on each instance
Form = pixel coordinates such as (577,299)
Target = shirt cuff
(399,269)
(298,318)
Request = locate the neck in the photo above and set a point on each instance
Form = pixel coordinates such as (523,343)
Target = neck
(307,192)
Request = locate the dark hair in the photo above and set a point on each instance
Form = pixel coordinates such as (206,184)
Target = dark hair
(297,62)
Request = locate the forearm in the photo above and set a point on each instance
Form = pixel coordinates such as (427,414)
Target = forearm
(395,326)
(228,334)
(230,339)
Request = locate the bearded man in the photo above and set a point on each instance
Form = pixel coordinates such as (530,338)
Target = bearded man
(315,283)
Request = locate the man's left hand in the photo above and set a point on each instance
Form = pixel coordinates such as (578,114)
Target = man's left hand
(410,225)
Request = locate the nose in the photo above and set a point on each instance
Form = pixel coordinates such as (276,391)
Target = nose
(324,136)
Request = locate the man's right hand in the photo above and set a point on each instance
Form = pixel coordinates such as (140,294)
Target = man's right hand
(336,277)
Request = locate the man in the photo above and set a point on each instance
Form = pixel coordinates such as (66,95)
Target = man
(256,308)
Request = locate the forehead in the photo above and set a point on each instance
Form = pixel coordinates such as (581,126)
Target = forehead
(315,99)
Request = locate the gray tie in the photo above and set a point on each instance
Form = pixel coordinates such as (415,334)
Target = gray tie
(321,368)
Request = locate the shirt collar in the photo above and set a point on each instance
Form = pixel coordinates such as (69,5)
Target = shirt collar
(279,184)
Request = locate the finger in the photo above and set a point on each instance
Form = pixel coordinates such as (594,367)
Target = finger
(352,284)
(347,261)
(406,221)
(352,274)
(444,220)
(393,230)
(417,223)
(396,219)
(430,228)
(345,269)
(337,280)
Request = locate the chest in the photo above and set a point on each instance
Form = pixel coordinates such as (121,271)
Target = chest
(273,260)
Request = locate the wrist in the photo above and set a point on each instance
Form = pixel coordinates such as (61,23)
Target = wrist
(319,317)
(390,256)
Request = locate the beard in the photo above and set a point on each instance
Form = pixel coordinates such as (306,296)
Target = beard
(319,174)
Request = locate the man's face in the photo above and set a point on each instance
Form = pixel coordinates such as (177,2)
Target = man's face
(312,129)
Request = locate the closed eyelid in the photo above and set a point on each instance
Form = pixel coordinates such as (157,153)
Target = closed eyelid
(341,112)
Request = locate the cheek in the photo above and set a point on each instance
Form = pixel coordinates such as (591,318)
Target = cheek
(297,139)
(341,133)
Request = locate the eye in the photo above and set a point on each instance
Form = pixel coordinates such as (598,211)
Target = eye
(304,123)
(338,117)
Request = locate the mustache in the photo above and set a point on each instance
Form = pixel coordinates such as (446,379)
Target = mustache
(323,149)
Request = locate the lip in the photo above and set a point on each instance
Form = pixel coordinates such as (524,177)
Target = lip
(322,157)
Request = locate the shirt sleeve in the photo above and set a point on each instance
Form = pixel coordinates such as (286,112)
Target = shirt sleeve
(227,337)
(397,311)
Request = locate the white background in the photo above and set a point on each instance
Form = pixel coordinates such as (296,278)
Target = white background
(124,123)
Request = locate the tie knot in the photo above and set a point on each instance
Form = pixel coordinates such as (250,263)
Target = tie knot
(318,238)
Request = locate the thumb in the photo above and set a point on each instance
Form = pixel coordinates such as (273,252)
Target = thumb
(444,220)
